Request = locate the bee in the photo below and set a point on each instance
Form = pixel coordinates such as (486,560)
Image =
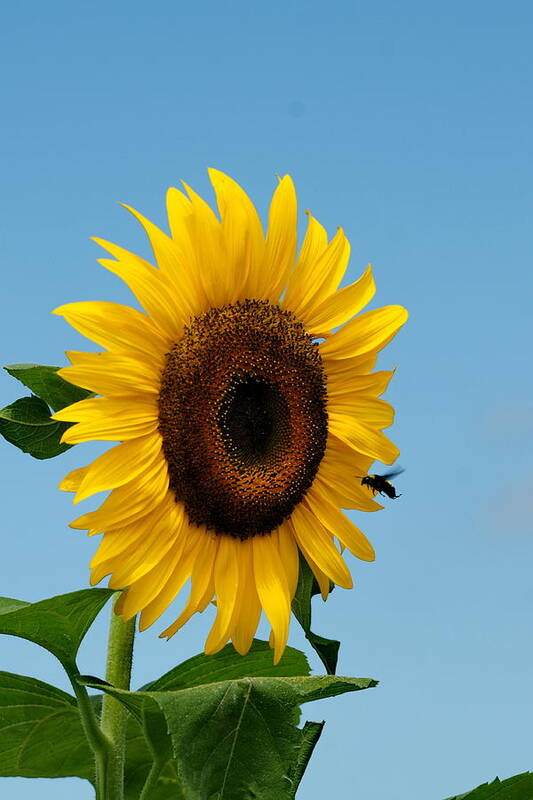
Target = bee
(382,484)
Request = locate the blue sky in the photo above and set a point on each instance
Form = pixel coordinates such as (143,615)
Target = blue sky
(409,124)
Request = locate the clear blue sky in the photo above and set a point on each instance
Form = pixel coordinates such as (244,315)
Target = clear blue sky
(409,124)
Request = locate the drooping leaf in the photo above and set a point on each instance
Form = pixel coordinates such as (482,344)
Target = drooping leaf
(57,624)
(326,649)
(26,423)
(237,738)
(40,731)
(44,382)
(229,665)
(518,787)
(41,736)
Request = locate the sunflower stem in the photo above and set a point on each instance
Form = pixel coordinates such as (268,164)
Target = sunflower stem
(114,715)
(98,742)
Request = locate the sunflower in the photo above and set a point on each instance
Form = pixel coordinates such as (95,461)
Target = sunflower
(242,419)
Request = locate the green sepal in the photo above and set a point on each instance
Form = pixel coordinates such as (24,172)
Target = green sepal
(58,624)
(518,787)
(326,649)
(236,738)
(27,422)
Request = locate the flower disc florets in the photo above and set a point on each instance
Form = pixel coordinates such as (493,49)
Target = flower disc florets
(242,415)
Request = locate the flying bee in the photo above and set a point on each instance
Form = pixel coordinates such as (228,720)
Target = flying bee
(382,484)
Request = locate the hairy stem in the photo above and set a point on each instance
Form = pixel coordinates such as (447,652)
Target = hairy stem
(114,715)
(98,741)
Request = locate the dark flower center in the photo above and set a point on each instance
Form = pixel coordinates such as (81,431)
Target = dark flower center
(242,415)
(253,419)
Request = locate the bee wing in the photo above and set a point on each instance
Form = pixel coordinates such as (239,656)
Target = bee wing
(389,475)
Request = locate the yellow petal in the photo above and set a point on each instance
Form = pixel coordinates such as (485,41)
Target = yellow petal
(72,480)
(121,254)
(154,292)
(341,371)
(110,374)
(272,588)
(128,503)
(338,524)
(226,574)
(371,330)
(236,255)
(182,571)
(281,241)
(206,233)
(202,583)
(246,621)
(162,532)
(229,193)
(341,306)
(324,275)
(151,286)
(324,583)
(345,490)
(373,384)
(314,540)
(115,326)
(314,244)
(339,454)
(96,408)
(340,473)
(117,542)
(371,411)
(370,442)
(174,260)
(119,465)
(146,589)
(109,431)
(288,552)
(135,549)
(242,231)
(108,419)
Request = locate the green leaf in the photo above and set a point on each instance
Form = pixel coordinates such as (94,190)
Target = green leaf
(237,738)
(311,732)
(40,731)
(202,669)
(228,665)
(138,763)
(518,787)
(327,649)
(47,384)
(57,624)
(26,423)
(135,774)
(41,736)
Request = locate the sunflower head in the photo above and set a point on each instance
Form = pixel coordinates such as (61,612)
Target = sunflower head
(244,403)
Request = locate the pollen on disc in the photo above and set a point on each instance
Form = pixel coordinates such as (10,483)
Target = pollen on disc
(242,415)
